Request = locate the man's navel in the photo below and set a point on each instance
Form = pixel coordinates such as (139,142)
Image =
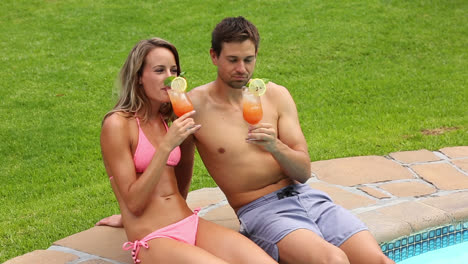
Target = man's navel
(221,150)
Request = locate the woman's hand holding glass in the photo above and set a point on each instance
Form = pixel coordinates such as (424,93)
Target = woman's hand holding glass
(180,129)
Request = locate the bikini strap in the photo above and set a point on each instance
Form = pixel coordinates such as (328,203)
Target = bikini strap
(135,247)
(138,121)
(164,122)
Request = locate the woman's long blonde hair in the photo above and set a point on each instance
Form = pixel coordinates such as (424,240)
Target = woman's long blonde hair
(132,96)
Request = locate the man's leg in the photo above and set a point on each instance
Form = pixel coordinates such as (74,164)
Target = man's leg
(362,248)
(304,246)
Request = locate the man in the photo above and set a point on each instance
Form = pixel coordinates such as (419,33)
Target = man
(261,168)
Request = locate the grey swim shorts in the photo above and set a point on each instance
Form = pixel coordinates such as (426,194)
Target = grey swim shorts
(270,218)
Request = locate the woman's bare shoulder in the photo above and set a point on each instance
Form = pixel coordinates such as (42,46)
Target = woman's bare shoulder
(117,120)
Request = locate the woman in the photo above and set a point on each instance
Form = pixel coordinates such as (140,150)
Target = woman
(150,169)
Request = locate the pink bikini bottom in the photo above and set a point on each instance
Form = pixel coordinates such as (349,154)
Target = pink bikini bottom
(184,231)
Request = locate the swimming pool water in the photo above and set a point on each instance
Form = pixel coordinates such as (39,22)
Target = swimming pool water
(456,254)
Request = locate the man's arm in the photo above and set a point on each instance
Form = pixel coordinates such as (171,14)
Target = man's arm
(286,143)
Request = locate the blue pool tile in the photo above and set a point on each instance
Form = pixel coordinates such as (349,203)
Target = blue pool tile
(424,236)
(390,255)
(445,230)
(404,253)
(425,246)
(451,239)
(384,247)
(397,244)
(445,241)
(397,255)
(410,250)
(418,237)
(438,241)
(417,249)
(432,244)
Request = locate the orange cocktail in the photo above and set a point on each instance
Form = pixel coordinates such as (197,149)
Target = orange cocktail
(181,103)
(251,107)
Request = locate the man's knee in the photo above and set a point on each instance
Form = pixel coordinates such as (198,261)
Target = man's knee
(327,256)
(378,258)
(336,257)
(385,260)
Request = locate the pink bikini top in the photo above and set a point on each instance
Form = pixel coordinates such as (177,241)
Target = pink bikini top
(145,151)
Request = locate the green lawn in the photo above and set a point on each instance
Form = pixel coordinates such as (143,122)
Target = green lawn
(368,77)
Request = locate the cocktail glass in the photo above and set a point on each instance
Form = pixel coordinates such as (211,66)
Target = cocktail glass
(181,103)
(251,107)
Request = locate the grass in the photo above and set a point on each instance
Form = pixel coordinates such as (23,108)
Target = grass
(368,77)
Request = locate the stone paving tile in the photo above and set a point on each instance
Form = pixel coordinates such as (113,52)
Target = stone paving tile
(418,215)
(455,204)
(407,189)
(385,227)
(224,216)
(359,170)
(342,197)
(442,175)
(204,197)
(461,164)
(422,155)
(43,257)
(455,152)
(374,192)
(101,241)
(95,261)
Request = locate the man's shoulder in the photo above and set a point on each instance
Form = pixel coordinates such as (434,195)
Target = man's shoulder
(276,91)
(200,89)
(199,96)
(273,85)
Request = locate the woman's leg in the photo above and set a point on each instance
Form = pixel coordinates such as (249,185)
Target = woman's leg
(362,248)
(229,245)
(167,250)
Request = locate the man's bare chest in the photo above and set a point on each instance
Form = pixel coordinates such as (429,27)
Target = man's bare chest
(222,133)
